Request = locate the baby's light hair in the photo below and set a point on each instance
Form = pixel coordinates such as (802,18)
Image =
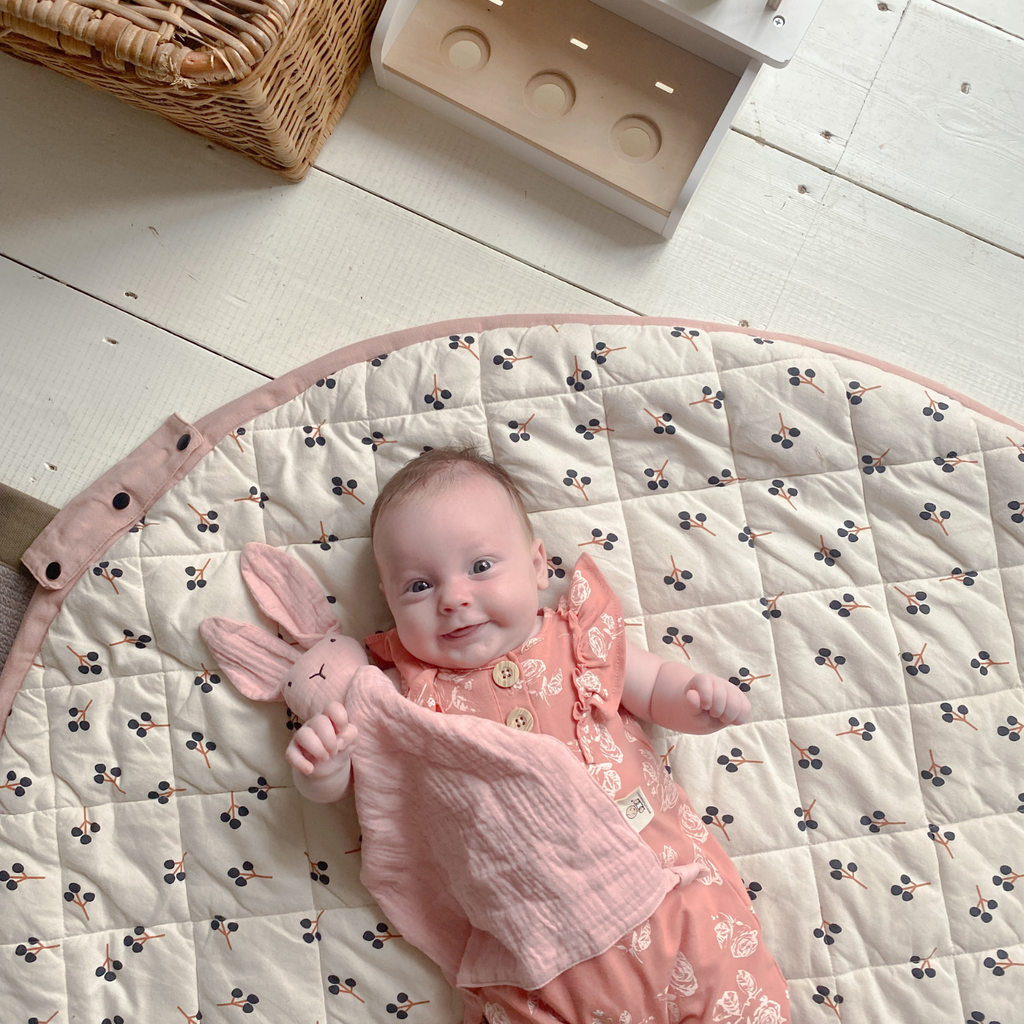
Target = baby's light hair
(440,467)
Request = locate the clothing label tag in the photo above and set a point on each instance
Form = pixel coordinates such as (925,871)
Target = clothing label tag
(636,809)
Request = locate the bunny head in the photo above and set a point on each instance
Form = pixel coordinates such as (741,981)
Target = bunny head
(308,676)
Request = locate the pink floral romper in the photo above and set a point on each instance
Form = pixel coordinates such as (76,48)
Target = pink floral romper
(700,956)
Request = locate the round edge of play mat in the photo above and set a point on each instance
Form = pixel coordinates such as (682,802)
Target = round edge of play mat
(66,531)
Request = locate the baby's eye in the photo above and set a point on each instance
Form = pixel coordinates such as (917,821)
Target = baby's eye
(481,565)
(419,586)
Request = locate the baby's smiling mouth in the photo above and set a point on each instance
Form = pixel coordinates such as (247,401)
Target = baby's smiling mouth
(462,632)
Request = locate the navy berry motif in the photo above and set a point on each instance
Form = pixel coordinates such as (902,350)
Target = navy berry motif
(113,574)
(695,522)
(726,478)
(1006,878)
(942,838)
(87,663)
(519,431)
(824,657)
(690,335)
(141,725)
(951,461)
(207,680)
(977,1017)
(678,577)
(86,830)
(960,715)
(329,382)
(434,396)
(796,378)
(935,409)
(163,792)
(748,536)
(984,662)
(597,537)
(555,567)
(109,968)
(806,820)
(785,434)
(662,424)
(865,732)
(959,576)
(846,606)
(916,662)
(709,397)
(823,997)
(130,638)
(931,514)
(808,756)
(873,463)
(348,487)
(744,678)
(855,391)
(16,876)
(136,942)
(827,931)
(318,870)
(78,721)
(196,577)
(73,894)
(602,351)
(838,872)
(753,888)
(877,821)
(770,606)
(175,869)
(246,1002)
(206,520)
(592,428)
(734,759)
(581,483)
(102,776)
(576,379)
(982,909)
(759,341)
(787,494)
(508,358)
(850,531)
(1011,730)
(196,743)
(404,1005)
(674,639)
(656,477)
(224,927)
(236,436)
(465,344)
(312,928)
(999,967)
(1015,507)
(242,877)
(711,817)
(916,602)
(17,784)
(232,817)
(337,987)
(925,969)
(936,773)
(256,496)
(314,438)
(378,360)
(380,936)
(325,540)
(826,554)
(376,440)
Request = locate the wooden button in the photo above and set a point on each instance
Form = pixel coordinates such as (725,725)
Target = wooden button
(505,674)
(521,719)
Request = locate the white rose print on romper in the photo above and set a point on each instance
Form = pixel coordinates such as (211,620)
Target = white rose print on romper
(691,823)
(734,1008)
(661,785)
(712,877)
(579,591)
(606,777)
(548,687)
(740,938)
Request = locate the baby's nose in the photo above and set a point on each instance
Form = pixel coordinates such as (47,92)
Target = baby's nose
(454,594)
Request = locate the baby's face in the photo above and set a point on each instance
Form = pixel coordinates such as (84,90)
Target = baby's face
(460,574)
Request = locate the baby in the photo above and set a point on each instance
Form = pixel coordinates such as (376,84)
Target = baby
(461,571)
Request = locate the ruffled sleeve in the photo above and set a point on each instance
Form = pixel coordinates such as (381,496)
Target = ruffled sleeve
(418,679)
(594,616)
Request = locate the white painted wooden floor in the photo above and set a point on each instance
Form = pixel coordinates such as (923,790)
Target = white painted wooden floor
(871,194)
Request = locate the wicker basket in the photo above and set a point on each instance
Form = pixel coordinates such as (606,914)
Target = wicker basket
(269,78)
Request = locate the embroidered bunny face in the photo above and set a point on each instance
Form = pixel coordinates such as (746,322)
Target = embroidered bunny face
(320,676)
(460,575)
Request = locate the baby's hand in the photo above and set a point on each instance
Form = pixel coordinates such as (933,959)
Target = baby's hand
(323,746)
(715,703)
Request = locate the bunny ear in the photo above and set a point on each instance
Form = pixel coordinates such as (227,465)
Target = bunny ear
(250,657)
(287,593)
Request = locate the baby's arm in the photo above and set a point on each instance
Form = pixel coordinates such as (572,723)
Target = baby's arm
(674,696)
(321,755)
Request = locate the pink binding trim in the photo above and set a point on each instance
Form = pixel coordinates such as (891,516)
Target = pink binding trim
(211,429)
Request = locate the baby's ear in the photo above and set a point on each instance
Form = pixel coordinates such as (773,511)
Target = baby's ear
(254,661)
(540,563)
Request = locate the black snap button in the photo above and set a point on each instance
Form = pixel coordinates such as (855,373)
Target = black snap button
(184,441)
(53,570)
(121,501)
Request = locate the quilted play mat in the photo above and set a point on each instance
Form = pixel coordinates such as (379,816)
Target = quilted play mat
(843,541)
